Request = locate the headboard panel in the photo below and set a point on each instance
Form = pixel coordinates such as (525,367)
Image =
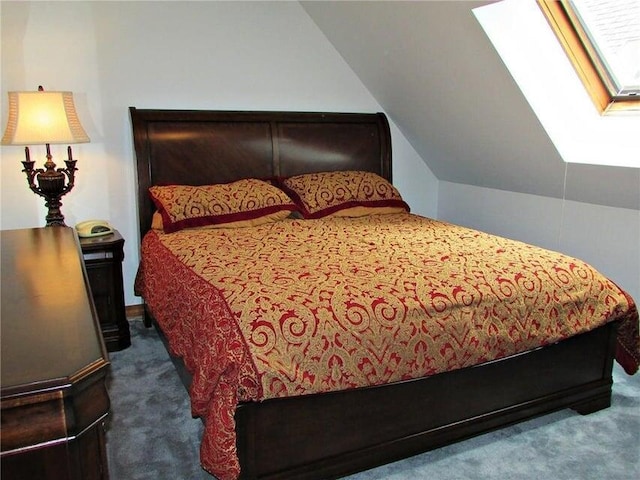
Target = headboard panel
(199,147)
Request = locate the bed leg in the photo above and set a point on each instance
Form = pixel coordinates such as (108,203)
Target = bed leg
(593,405)
(147,320)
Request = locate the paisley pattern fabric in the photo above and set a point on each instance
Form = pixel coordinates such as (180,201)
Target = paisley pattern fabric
(248,200)
(343,193)
(157,222)
(304,306)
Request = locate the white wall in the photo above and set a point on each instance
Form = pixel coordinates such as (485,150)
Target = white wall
(191,55)
(606,237)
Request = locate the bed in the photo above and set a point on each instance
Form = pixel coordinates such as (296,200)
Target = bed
(315,431)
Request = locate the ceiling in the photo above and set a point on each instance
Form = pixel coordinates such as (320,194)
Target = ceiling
(433,70)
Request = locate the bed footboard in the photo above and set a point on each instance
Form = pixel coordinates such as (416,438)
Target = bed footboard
(334,434)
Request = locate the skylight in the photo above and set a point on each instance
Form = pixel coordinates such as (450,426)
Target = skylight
(614,29)
(602,40)
(531,52)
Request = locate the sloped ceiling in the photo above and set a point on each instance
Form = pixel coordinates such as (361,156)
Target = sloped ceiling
(432,68)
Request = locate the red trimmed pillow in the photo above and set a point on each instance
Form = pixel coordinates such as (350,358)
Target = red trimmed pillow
(343,193)
(241,203)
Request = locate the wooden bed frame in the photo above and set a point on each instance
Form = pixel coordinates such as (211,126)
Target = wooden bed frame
(335,434)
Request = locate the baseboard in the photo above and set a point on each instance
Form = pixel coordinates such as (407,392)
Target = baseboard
(134,311)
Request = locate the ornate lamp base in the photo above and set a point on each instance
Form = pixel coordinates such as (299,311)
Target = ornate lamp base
(51,183)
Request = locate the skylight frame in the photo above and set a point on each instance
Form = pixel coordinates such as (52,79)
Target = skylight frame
(586,60)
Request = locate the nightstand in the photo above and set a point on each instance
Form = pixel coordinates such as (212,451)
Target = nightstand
(103,257)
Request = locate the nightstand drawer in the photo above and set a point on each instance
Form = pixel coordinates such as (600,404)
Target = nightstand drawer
(97,256)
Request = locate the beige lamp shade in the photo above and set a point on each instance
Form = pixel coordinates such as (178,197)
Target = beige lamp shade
(37,118)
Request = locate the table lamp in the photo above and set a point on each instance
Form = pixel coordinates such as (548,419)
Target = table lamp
(37,118)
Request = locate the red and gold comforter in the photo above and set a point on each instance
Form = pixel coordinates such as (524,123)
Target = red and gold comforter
(303,306)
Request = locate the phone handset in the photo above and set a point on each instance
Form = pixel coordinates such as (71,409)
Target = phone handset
(93,228)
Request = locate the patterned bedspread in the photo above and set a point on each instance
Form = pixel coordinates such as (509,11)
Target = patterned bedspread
(304,306)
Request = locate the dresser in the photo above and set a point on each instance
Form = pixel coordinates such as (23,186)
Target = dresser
(53,361)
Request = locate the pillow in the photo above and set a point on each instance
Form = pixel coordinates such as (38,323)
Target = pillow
(240,203)
(344,193)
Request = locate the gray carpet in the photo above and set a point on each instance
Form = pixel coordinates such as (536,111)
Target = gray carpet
(151,435)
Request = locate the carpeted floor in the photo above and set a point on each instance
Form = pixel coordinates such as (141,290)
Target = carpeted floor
(151,435)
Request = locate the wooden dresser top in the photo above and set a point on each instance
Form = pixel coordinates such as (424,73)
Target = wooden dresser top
(50,338)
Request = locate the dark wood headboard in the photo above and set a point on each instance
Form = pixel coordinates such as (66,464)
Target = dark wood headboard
(198,147)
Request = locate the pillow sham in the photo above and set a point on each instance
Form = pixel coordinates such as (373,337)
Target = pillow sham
(343,193)
(241,203)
